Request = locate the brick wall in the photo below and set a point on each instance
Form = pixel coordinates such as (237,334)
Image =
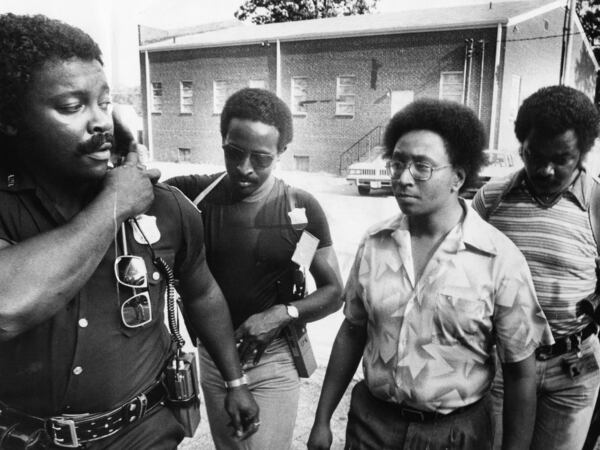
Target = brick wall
(406,62)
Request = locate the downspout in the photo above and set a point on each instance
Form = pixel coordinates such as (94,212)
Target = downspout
(149,142)
(278,70)
(566,43)
(464,99)
(482,42)
(569,52)
(493,118)
(469,62)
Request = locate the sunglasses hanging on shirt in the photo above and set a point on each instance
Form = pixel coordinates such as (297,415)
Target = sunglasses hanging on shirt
(131,272)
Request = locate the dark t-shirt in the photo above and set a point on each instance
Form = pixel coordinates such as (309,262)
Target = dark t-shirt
(250,244)
(83,359)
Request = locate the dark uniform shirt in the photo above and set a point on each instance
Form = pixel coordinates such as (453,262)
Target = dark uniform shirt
(83,359)
(249,244)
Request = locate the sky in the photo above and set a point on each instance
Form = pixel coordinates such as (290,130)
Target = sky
(113,23)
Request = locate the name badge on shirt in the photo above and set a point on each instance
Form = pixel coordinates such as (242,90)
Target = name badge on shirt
(305,249)
(148,226)
(298,218)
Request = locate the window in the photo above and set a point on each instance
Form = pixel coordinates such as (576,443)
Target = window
(157,93)
(184,154)
(515,96)
(299,95)
(220,93)
(186,97)
(259,84)
(451,86)
(345,96)
(301,163)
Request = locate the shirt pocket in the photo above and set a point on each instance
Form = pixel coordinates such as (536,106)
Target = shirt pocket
(459,314)
(157,284)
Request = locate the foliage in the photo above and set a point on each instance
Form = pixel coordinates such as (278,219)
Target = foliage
(270,11)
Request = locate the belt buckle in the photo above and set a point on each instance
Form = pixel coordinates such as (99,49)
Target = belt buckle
(62,422)
(412,415)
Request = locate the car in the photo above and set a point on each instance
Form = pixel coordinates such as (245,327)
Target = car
(370,175)
(499,164)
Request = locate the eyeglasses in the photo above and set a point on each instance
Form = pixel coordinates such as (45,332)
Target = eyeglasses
(130,271)
(258,160)
(419,170)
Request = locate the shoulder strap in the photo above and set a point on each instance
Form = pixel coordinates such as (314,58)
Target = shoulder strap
(594,210)
(514,180)
(291,196)
(209,188)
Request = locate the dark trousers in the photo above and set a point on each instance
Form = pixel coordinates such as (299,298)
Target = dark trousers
(374,424)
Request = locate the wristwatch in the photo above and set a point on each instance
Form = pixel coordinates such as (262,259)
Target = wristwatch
(237,382)
(292,311)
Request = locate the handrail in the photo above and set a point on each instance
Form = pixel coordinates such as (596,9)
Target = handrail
(361,147)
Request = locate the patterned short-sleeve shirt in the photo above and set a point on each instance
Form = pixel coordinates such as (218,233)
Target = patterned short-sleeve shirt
(430,341)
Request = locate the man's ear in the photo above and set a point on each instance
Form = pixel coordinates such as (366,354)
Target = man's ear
(459,179)
(8,130)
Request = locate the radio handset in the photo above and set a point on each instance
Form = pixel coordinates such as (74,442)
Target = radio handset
(123,137)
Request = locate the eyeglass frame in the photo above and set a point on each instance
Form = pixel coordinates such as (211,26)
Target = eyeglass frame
(135,295)
(248,154)
(395,173)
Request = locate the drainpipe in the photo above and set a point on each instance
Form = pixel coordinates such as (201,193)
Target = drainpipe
(149,142)
(567,44)
(278,65)
(495,87)
(468,68)
(482,42)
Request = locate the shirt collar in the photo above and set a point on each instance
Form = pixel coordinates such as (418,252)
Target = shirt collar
(578,191)
(475,232)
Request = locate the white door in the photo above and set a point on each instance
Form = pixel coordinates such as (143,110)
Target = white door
(399,99)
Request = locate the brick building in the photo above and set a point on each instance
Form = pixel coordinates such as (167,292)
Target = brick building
(343,77)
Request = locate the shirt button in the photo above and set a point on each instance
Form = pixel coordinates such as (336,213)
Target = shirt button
(77,370)
(155,276)
(83,323)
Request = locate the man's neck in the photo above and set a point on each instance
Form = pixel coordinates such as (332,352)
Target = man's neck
(438,223)
(550,199)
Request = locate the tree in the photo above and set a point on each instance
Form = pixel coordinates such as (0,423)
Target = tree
(270,11)
(589,15)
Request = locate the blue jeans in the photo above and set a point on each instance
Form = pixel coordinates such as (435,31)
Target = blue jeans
(275,385)
(564,403)
(374,424)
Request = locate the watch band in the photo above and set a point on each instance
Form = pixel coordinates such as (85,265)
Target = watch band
(292,311)
(237,382)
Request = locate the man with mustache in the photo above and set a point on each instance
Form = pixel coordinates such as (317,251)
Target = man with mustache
(83,342)
(253,223)
(545,210)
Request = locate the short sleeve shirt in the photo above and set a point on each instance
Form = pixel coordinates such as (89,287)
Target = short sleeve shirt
(430,341)
(83,359)
(557,242)
(249,245)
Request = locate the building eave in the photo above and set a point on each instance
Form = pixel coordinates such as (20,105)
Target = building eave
(318,36)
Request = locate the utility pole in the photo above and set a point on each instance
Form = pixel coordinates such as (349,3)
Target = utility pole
(565,54)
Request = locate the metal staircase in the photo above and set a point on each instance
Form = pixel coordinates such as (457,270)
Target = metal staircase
(360,148)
